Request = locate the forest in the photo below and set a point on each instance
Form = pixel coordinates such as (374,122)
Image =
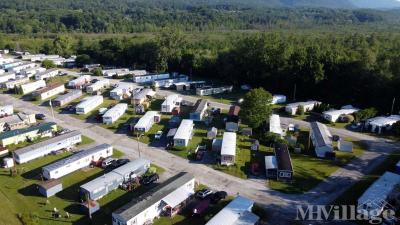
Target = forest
(358,69)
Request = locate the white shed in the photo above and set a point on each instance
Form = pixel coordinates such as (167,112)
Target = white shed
(114,113)
(228,149)
(184,133)
(88,104)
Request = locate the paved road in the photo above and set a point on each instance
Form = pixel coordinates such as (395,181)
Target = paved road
(280,206)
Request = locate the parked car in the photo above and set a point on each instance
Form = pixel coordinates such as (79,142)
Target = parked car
(119,162)
(204,193)
(94,81)
(70,108)
(40,116)
(107,162)
(158,135)
(218,196)
(150,179)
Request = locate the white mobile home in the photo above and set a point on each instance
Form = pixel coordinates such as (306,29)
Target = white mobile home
(375,198)
(380,124)
(67,98)
(148,78)
(275,125)
(308,106)
(7,65)
(46,147)
(237,212)
(23,66)
(114,113)
(80,82)
(76,161)
(29,133)
(101,186)
(167,83)
(6,110)
(199,110)
(47,74)
(141,96)
(204,91)
(99,85)
(184,133)
(278,99)
(146,122)
(116,72)
(33,86)
(17,121)
(171,101)
(11,84)
(228,149)
(7,76)
(49,91)
(166,199)
(321,139)
(333,115)
(32,71)
(123,91)
(88,104)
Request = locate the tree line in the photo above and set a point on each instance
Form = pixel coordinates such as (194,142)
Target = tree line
(358,69)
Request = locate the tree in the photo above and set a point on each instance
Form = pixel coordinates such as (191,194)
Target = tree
(97,72)
(256,107)
(82,60)
(300,110)
(364,114)
(48,64)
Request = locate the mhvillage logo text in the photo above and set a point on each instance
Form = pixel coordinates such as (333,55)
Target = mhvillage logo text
(344,213)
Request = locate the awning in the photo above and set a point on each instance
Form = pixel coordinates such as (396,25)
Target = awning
(177,197)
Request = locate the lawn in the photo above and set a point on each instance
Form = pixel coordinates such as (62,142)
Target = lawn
(86,140)
(351,195)
(225,98)
(309,170)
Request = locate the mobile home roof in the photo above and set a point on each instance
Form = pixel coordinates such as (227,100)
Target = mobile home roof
(184,127)
(228,144)
(146,118)
(41,127)
(88,101)
(321,133)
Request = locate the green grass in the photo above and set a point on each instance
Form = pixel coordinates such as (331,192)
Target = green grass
(351,195)
(86,140)
(106,103)
(225,98)
(159,169)
(148,137)
(117,153)
(13,147)
(309,170)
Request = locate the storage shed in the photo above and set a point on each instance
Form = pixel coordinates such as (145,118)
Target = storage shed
(146,122)
(76,161)
(46,147)
(88,104)
(67,98)
(114,113)
(228,149)
(184,133)
(103,185)
(345,146)
(50,188)
(271,167)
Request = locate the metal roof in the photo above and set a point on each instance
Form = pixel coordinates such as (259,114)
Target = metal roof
(283,157)
(153,196)
(234,110)
(68,95)
(117,110)
(321,134)
(132,167)
(228,144)
(40,127)
(60,163)
(183,129)
(47,88)
(143,121)
(50,141)
(89,100)
(144,93)
(200,105)
(381,121)
(275,124)
(307,103)
(236,211)
(270,162)
(338,112)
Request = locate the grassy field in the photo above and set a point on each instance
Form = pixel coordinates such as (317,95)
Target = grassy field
(309,170)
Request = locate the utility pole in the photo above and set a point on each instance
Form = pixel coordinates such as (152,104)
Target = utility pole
(294,92)
(391,111)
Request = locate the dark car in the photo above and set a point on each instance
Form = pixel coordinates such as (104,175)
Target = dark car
(150,179)
(218,196)
(70,108)
(40,116)
(119,162)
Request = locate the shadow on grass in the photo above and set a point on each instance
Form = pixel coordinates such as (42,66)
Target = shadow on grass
(31,190)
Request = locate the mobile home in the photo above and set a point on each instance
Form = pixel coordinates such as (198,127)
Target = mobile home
(49,91)
(32,71)
(170,102)
(142,96)
(308,106)
(29,133)
(11,84)
(381,123)
(228,149)
(47,74)
(101,186)
(64,141)
(6,110)
(17,121)
(321,139)
(148,78)
(76,161)
(165,199)
(116,72)
(31,87)
(184,133)
(333,115)
(67,98)
(88,104)
(146,122)
(275,125)
(114,113)
(7,76)
(80,82)
(199,110)
(123,91)
(99,85)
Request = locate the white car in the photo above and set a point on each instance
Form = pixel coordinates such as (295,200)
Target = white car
(158,135)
